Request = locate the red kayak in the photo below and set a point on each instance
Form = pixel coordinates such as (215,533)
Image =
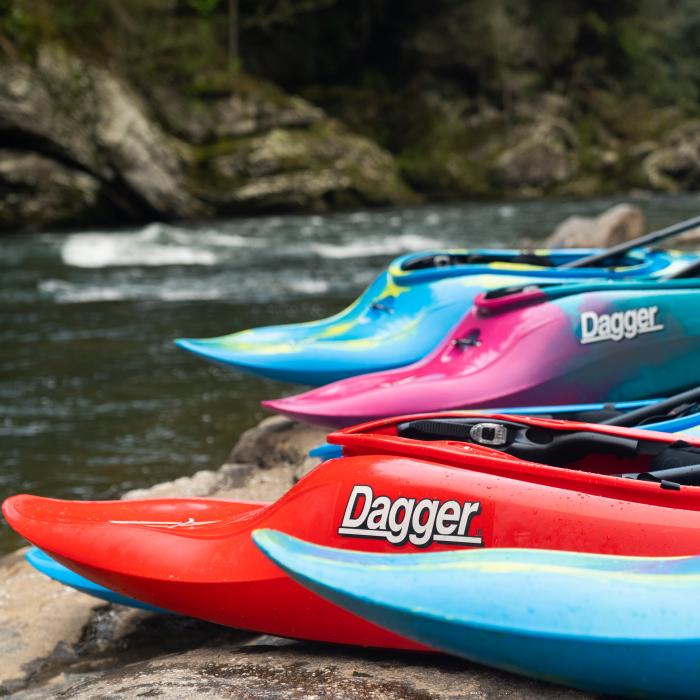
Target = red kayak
(437,482)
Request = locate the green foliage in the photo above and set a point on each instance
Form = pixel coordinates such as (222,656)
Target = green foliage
(204,7)
(442,84)
(493,48)
(20,27)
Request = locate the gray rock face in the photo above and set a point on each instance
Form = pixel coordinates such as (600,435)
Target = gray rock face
(264,670)
(58,643)
(42,191)
(254,107)
(87,147)
(616,225)
(27,647)
(316,168)
(84,117)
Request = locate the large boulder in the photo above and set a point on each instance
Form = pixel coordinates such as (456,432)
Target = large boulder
(230,108)
(40,192)
(265,669)
(321,167)
(616,225)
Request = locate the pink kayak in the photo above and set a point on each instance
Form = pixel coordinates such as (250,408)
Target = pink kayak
(535,345)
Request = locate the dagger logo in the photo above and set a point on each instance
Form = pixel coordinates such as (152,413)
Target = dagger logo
(420,522)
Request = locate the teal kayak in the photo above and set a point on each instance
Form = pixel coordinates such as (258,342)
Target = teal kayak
(620,625)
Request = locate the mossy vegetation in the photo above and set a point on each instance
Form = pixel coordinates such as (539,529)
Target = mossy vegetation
(452,88)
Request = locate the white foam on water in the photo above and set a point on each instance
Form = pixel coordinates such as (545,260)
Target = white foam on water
(310,286)
(63,292)
(10,429)
(184,294)
(389,245)
(214,238)
(150,246)
(68,293)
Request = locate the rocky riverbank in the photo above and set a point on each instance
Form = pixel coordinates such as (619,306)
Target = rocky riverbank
(126,114)
(58,643)
(80,145)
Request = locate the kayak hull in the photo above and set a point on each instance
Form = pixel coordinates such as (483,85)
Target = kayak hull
(626,626)
(93,543)
(195,556)
(402,316)
(534,347)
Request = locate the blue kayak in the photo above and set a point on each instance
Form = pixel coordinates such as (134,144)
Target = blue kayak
(621,625)
(43,563)
(407,311)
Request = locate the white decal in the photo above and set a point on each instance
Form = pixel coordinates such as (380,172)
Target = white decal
(402,520)
(619,325)
(167,524)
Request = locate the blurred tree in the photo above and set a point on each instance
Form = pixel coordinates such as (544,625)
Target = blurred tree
(496,49)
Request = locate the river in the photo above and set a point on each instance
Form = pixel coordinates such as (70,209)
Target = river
(94,397)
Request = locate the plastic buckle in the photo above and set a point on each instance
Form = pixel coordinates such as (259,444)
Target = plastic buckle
(490,434)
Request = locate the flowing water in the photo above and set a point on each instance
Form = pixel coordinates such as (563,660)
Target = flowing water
(95,399)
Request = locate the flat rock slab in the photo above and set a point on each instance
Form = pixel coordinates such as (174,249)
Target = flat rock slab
(40,620)
(294,670)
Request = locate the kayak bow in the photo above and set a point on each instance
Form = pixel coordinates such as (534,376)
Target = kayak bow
(621,625)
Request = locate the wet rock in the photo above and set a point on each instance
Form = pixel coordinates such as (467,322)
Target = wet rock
(45,193)
(40,622)
(616,225)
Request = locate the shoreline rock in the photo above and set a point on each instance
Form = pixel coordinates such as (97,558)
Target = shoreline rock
(616,225)
(58,643)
